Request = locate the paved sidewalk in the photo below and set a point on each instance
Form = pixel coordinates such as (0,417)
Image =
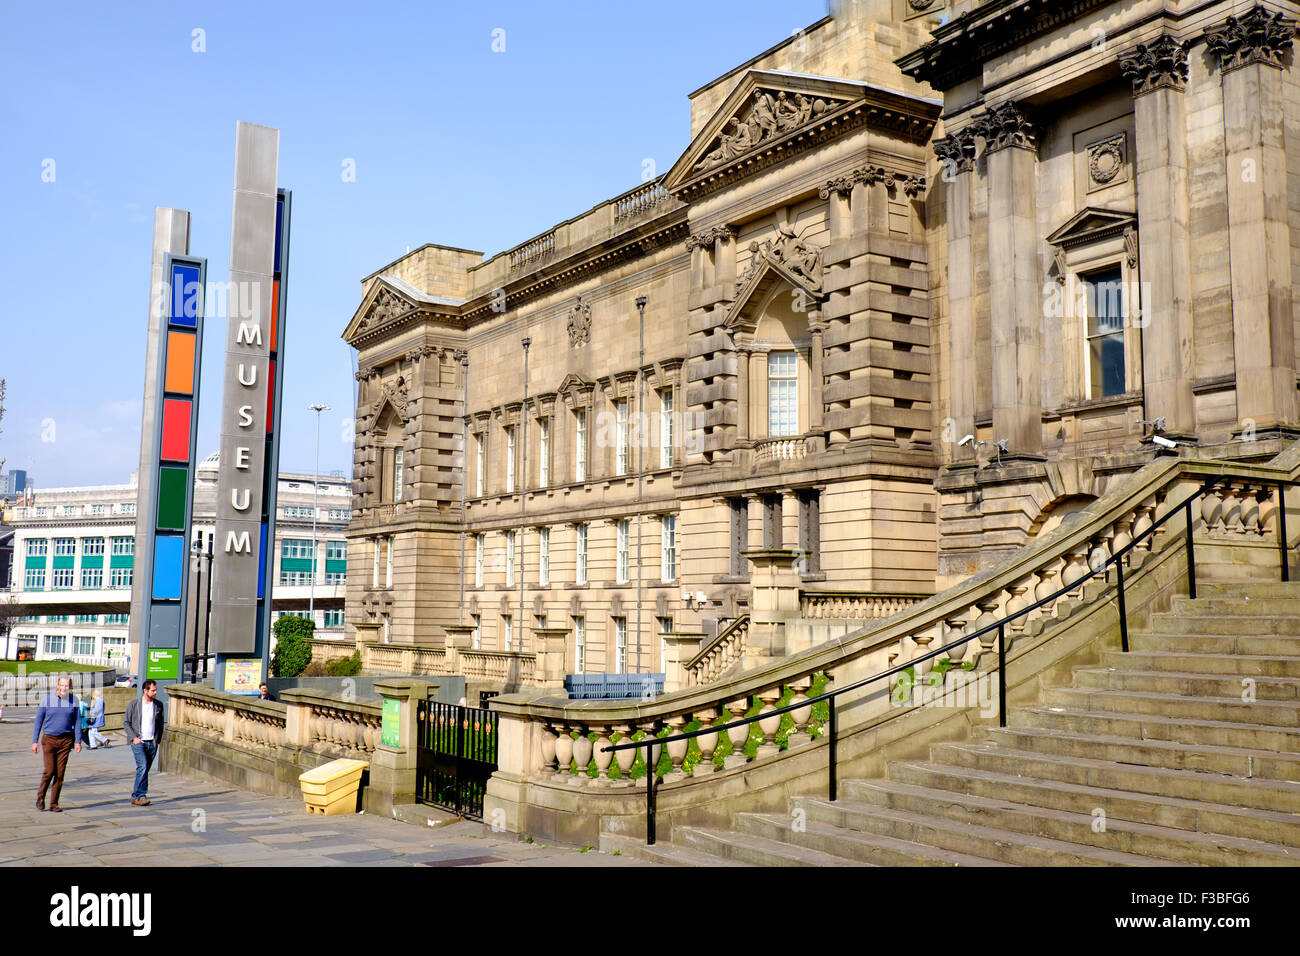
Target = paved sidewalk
(192,822)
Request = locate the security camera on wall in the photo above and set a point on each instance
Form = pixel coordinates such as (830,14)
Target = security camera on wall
(966,440)
(1164,442)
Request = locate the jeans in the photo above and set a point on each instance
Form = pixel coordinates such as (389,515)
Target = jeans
(96,738)
(144,753)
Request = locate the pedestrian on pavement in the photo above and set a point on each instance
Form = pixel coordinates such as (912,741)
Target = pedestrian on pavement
(97,738)
(57,732)
(143,723)
(264,692)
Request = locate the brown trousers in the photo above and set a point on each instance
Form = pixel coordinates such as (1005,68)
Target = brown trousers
(56,750)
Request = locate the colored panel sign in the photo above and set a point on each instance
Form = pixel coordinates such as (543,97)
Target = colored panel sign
(180,363)
(270,398)
(243,675)
(163,663)
(390,727)
(168,565)
(176,429)
(187,295)
(172,485)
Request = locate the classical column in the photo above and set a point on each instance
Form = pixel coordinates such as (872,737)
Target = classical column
(742,391)
(758,378)
(1251,51)
(817,387)
(836,194)
(1158,71)
(724,255)
(694,244)
(1014,296)
(957,152)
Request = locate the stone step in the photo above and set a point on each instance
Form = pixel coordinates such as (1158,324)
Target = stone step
(1254,589)
(749,848)
(976,839)
(1188,684)
(1261,794)
(1124,836)
(668,854)
(1245,665)
(1255,606)
(1249,823)
(1238,624)
(1156,727)
(1269,712)
(1250,645)
(876,849)
(1172,755)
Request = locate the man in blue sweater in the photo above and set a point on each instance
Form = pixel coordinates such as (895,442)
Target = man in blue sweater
(57,732)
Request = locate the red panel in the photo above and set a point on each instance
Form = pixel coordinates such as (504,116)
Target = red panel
(176,429)
(275,311)
(270,398)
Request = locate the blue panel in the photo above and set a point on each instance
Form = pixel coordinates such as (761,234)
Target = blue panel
(165,626)
(279,220)
(261,565)
(168,567)
(186,295)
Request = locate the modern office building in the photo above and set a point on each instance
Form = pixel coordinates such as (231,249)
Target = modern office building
(74,552)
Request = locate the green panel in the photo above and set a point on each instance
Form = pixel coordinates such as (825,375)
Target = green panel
(336,567)
(122,561)
(93,561)
(65,561)
(171,497)
(295,564)
(35,562)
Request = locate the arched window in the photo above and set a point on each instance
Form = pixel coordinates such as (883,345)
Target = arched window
(391,456)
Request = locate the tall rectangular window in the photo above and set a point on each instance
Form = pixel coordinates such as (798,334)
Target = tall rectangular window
(543,556)
(65,547)
(782,394)
(579,645)
(477,638)
(581,576)
(55,644)
(507,632)
(92,547)
(1105,299)
(374,555)
(83,646)
(668,547)
(510,459)
(39,547)
(34,580)
(334,618)
(810,534)
(621,559)
(510,558)
(92,578)
(580,445)
(397,474)
(62,578)
(620,413)
(543,452)
(666,428)
(478,560)
(665,627)
(620,645)
(739,515)
(119,577)
(123,546)
(480,465)
(388,548)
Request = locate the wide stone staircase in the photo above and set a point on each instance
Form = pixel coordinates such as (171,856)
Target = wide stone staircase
(1184,750)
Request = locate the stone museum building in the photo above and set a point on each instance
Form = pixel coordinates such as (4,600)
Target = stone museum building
(927,279)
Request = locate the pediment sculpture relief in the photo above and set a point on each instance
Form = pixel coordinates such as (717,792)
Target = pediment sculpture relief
(764,117)
(801,258)
(387,305)
(579,323)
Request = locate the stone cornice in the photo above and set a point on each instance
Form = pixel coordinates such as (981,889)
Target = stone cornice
(872,175)
(1254,37)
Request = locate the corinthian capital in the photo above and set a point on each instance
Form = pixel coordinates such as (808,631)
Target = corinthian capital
(1008,125)
(1158,65)
(1253,37)
(957,151)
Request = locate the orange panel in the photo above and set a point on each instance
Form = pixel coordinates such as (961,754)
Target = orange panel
(180,363)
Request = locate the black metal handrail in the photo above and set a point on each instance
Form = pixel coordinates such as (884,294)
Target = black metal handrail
(1115,559)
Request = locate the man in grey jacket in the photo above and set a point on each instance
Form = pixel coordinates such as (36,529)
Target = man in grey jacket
(143,724)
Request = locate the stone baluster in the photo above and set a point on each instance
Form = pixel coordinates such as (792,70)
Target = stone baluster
(1048,584)
(956,628)
(563,751)
(603,758)
(1018,602)
(676,749)
(989,614)
(1075,569)
(1099,552)
(1231,507)
(922,641)
(582,754)
(1142,523)
(800,735)
(738,736)
(1267,498)
(1123,538)
(1211,509)
(548,738)
(626,758)
(706,742)
(652,753)
(769,725)
(1250,508)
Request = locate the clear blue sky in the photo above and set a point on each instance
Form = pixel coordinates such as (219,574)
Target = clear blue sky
(452,143)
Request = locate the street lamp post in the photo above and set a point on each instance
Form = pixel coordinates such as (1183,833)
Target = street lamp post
(315,486)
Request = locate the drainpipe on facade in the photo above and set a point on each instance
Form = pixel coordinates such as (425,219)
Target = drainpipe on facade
(464,473)
(640,462)
(523,491)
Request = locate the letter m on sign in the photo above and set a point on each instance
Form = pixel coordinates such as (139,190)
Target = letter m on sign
(249,334)
(238,543)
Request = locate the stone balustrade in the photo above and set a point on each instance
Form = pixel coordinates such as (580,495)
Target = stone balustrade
(779,449)
(853,605)
(510,667)
(532,252)
(547,743)
(720,654)
(639,201)
(507,666)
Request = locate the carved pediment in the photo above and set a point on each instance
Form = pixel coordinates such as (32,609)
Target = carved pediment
(573,383)
(765,271)
(1091,224)
(769,116)
(384,304)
